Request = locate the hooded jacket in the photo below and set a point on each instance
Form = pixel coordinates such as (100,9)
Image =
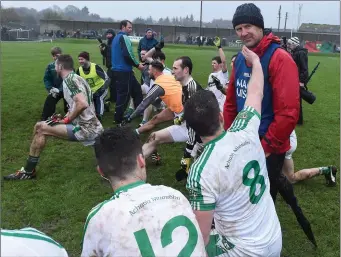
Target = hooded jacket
(284,82)
(146,44)
(300,56)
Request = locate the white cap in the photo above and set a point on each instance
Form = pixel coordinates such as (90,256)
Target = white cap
(294,41)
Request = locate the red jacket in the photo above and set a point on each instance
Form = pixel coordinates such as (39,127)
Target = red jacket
(283,77)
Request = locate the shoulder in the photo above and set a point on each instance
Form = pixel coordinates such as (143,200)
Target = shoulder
(97,211)
(202,165)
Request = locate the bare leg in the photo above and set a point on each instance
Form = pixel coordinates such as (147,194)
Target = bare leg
(155,139)
(165,115)
(293,177)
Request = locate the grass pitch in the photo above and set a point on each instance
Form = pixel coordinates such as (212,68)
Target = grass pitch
(68,185)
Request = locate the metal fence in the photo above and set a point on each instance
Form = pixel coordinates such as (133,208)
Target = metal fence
(173,34)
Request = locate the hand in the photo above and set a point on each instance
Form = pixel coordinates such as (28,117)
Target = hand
(141,67)
(54,119)
(250,56)
(54,92)
(216,82)
(160,45)
(267,155)
(217,42)
(301,84)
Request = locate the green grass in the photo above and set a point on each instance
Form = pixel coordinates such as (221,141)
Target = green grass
(68,185)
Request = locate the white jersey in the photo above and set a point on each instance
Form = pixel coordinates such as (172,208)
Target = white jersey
(231,178)
(224,79)
(143,220)
(87,126)
(29,242)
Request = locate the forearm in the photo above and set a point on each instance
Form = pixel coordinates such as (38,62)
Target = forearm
(152,95)
(150,53)
(223,59)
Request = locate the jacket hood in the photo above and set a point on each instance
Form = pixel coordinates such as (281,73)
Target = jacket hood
(267,39)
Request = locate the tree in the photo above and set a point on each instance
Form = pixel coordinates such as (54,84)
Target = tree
(8,15)
(48,14)
(85,11)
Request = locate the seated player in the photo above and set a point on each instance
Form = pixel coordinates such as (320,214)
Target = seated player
(28,242)
(229,182)
(219,78)
(79,124)
(329,172)
(97,79)
(182,71)
(168,90)
(54,86)
(139,219)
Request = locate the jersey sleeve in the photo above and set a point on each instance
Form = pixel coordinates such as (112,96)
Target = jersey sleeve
(200,187)
(247,120)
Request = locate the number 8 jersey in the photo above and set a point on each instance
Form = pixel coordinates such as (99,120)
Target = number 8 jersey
(231,178)
(143,220)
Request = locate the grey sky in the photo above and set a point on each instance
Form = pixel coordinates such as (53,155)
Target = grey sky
(322,12)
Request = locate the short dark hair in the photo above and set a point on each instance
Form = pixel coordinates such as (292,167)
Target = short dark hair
(56,50)
(202,113)
(157,65)
(124,23)
(217,59)
(116,150)
(186,62)
(234,56)
(66,61)
(159,55)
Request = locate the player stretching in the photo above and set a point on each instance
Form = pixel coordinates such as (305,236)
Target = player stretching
(329,172)
(229,181)
(182,71)
(79,124)
(139,219)
(219,78)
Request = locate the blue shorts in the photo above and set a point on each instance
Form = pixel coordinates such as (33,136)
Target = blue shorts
(71,135)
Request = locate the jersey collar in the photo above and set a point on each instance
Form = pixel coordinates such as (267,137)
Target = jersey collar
(129,186)
(216,139)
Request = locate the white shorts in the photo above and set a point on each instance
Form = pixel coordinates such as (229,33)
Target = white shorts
(179,133)
(293,146)
(145,89)
(220,243)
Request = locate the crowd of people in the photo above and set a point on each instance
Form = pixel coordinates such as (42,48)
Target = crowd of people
(239,132)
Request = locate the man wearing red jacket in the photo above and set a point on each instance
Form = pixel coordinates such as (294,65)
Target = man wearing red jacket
(280,104)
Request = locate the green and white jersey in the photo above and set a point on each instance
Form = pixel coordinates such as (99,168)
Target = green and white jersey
(143,220)
(231,178)
(86,126)
(29,242)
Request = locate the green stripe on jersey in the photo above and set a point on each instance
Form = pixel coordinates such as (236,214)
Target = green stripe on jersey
(243,118)
(130,49)
(194,178)
(116,195)
(71,84)
(29,235)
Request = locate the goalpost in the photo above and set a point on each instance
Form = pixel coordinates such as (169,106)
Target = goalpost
(19,34)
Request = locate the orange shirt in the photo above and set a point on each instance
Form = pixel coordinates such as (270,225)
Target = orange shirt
(173,92)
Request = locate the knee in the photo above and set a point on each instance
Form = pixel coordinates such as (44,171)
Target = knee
(153,138)
(39,127)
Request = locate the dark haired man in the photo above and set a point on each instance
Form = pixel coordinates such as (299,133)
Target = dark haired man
(139,218)
(79,124)
(229,182)
(123,61)
(97,79)
(168,90)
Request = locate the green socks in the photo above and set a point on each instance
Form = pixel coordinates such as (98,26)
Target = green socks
(31,163)
(324,170)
